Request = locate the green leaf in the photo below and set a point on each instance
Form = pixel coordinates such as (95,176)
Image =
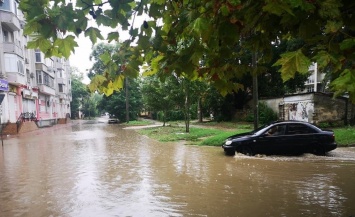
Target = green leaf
(333,26)
(347,44)
(345,83)
(113,36)
(159,2)
(105,57)
(118,82)
(323,59)
(107,91)
(39,42)
(66,45)
(292,62)
(96,82)
(224,9)
(278,8)
(202,28)
(330,9)
(154,66)
(104,20)
(93,33)
(143,42)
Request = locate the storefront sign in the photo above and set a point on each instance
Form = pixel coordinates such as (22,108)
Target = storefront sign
(4,85)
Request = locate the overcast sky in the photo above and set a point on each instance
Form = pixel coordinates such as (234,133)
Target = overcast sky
(81,58)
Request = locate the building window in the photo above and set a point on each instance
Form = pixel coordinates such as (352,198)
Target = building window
(61,87)
(39,77)
(7,36)
(38,56)
(28,76)
(46,79)
(20,68)
(310,89)
(15,8)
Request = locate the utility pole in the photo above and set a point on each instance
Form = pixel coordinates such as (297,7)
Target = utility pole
(255,90)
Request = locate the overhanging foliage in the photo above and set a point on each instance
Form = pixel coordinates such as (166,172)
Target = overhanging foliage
(180,34)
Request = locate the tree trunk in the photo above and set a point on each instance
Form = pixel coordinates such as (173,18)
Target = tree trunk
(164,118)
(187,108)
(199,110)
(255,91)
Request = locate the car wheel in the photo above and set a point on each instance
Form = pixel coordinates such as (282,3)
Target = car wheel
(320,151)
(229,152)
(247,151)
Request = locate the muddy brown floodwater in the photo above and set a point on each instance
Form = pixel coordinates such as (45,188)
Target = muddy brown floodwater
(91,168)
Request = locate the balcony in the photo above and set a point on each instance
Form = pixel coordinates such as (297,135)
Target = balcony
(10,20)
(41,67)
(60,80)
(12,48)
(45,89)
(16,78)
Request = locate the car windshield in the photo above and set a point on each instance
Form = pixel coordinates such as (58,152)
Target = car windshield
(260,130)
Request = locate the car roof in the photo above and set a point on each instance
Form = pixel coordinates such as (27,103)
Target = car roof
(292,122)
(289,122)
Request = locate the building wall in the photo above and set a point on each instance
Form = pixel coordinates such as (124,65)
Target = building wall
(329,109)
(314,108)
(19,67)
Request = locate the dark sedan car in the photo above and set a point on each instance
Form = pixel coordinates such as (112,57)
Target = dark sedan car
(283,137)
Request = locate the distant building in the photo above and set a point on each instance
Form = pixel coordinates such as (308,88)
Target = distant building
(34,87)
(314,82)
(312,104)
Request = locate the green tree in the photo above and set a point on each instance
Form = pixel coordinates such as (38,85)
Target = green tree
(79,90)
(115,104)
(90,105)
(98,67)
(185,32)
(156,97)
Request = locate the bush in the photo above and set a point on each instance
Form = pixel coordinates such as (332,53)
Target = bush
(266,115)
(177,115)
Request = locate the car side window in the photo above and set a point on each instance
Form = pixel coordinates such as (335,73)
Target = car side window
(281,129)
(299,129)
(276,130)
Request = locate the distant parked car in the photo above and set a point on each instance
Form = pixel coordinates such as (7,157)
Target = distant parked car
(282,137)
(113,121)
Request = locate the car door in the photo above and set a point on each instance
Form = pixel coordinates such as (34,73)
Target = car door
(271,143)
(300,138)
(279,139)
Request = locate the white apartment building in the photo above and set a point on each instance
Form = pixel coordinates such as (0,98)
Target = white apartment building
(314,82)
(32,87)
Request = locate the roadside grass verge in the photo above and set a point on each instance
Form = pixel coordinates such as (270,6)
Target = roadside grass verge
(217,140)
(345,136)
(138,123)
(197,136)
(225,125)
(214,133)
(176,133)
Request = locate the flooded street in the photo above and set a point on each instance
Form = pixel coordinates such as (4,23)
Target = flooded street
(90,168)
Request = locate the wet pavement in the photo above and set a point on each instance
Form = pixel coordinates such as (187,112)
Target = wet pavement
(91,168)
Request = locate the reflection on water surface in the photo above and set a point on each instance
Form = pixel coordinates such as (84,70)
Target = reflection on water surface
(99,169)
